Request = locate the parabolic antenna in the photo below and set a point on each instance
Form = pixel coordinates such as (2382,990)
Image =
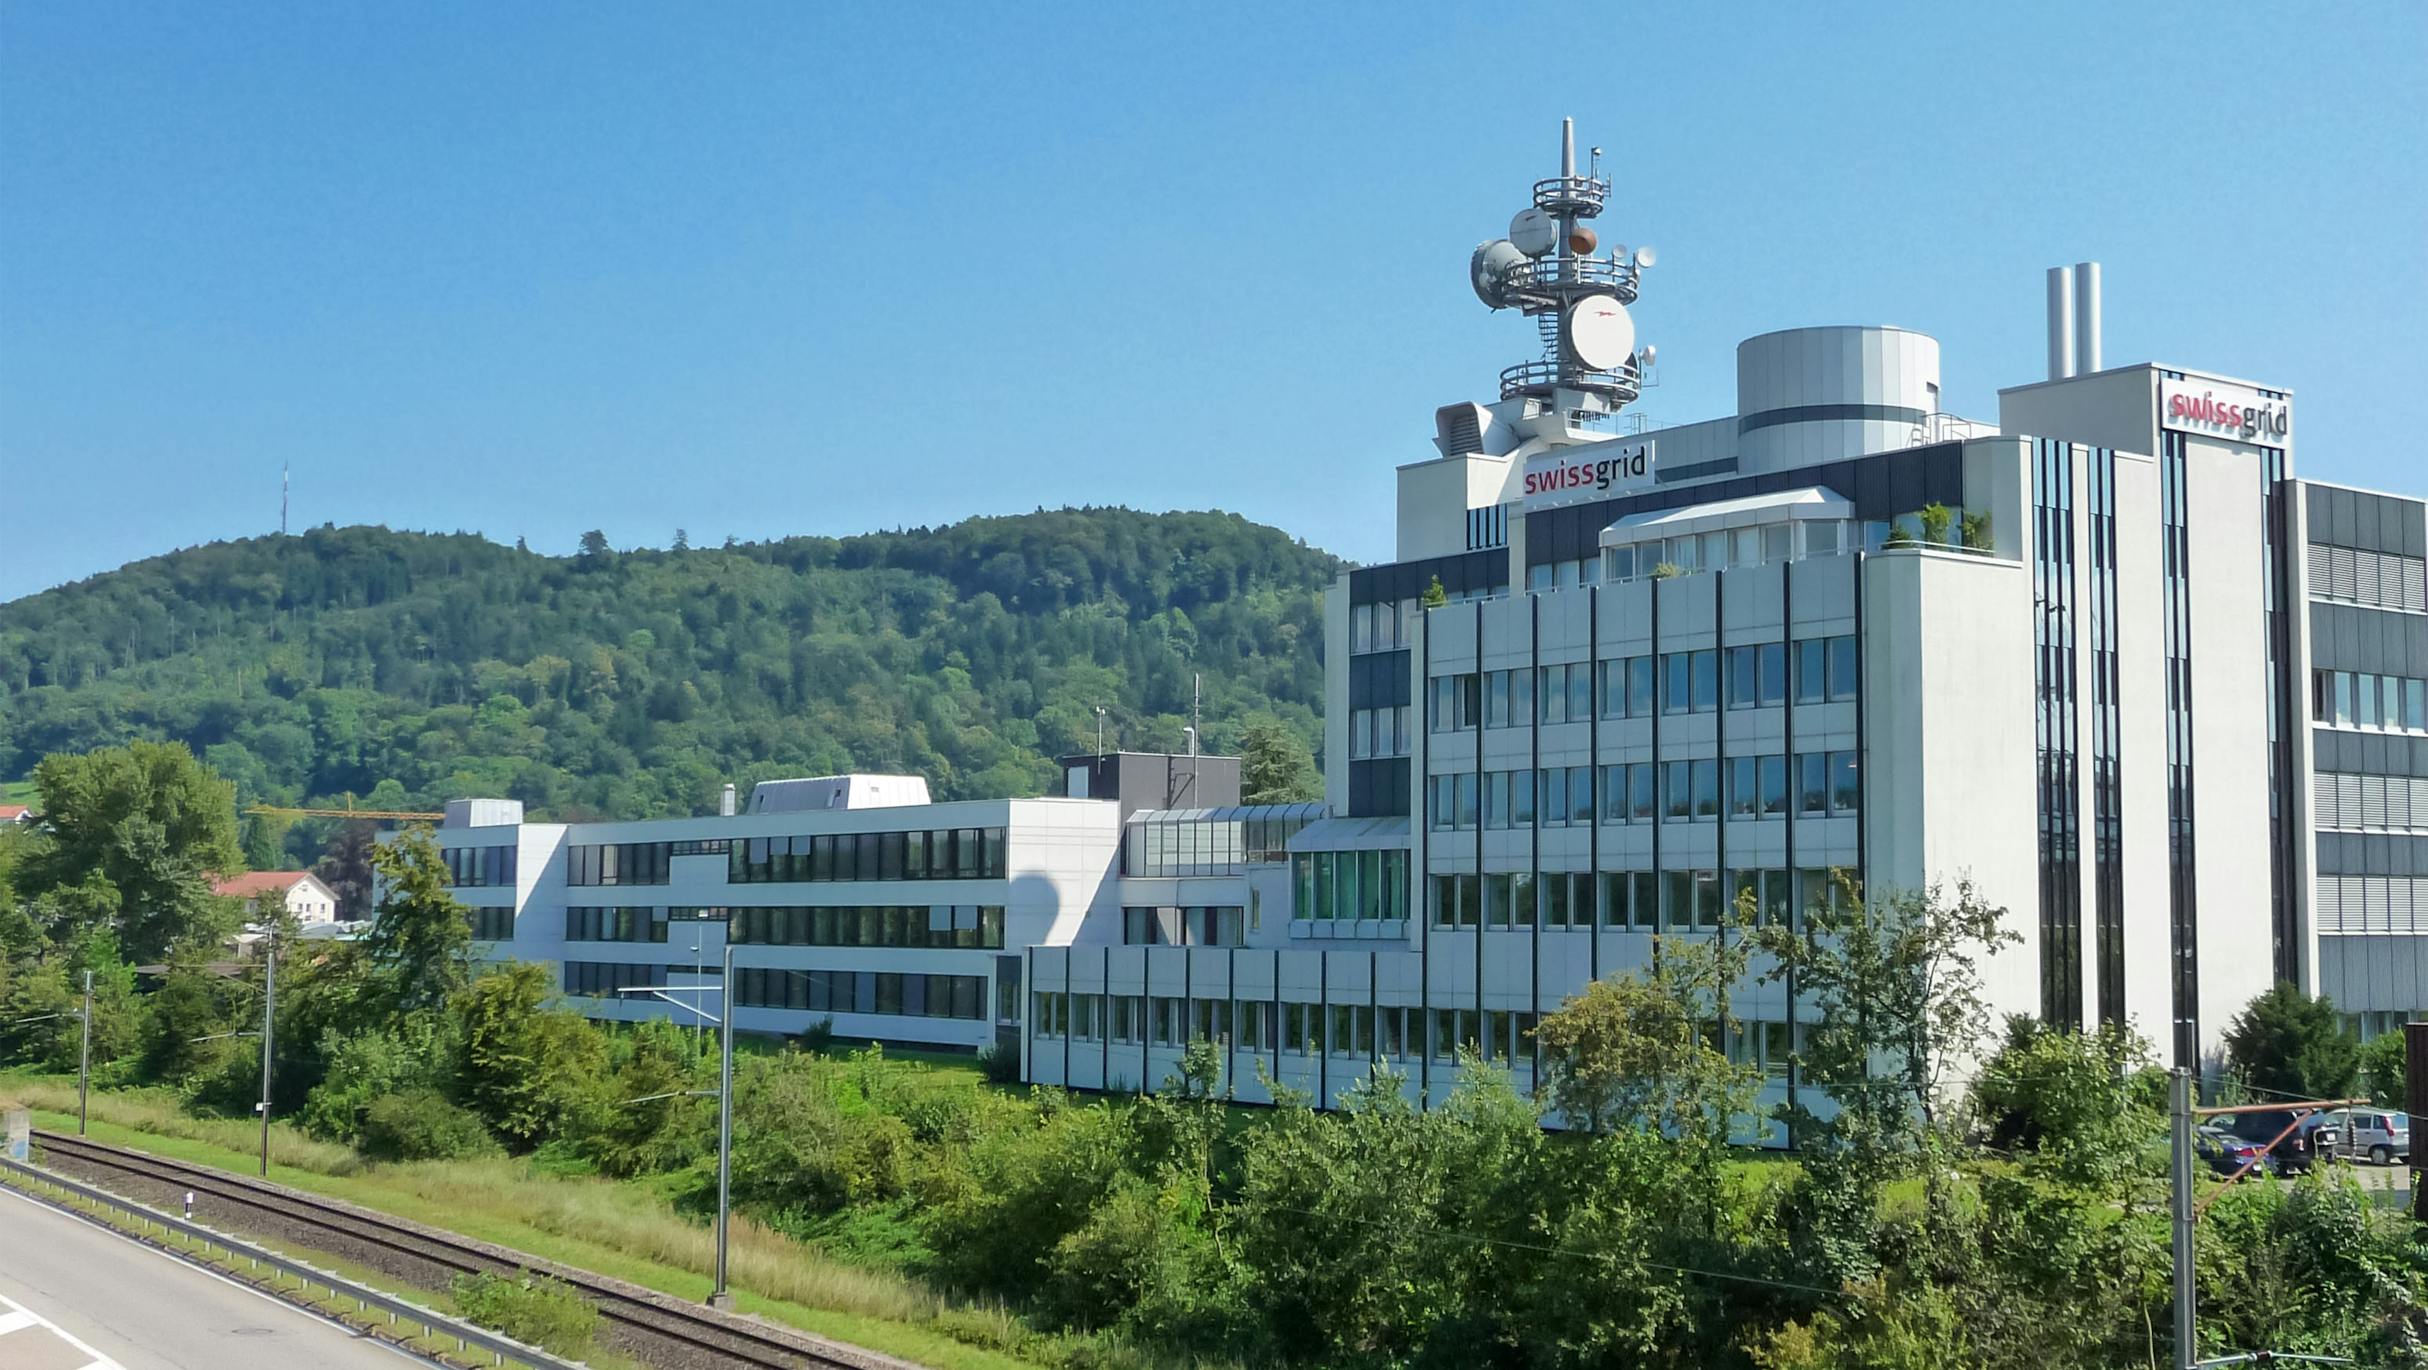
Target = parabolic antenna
(1534,232)
(1599,332)
(1490,267)
(1645,257)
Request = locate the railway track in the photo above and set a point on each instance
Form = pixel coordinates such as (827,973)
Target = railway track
(653,1327)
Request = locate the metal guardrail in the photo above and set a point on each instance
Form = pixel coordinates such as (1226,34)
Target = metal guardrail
(502,1350)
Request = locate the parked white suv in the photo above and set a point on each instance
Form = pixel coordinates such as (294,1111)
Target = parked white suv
(2381,1135)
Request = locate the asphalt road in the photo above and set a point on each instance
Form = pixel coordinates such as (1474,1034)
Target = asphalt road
(73,1296)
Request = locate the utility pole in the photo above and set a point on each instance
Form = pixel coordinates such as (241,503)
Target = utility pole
(2187,1330)
(84,1056)
(2415,1098)
(720,1297)
(269,999)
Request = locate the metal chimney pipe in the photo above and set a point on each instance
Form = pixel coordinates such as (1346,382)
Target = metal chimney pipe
(725,804)
(1568,147)
(2061,322)
(2086,318)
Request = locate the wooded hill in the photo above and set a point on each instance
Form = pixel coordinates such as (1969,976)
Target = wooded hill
(406,668)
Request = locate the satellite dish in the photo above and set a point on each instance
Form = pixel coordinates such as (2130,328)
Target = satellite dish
(1489,270)
(1534,231)
(1645,257)
(1582,242)
(1599,333)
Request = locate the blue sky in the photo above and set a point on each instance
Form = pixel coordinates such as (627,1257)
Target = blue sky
(765,269)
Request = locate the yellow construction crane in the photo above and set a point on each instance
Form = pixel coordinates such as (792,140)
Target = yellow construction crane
(349,812)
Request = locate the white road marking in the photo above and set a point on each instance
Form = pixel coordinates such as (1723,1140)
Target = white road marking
(105,1363)
(10,1322)
(27,1317)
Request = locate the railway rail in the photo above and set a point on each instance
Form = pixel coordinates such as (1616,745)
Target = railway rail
(654,1327)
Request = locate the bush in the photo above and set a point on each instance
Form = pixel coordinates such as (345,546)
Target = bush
(1000,1063)
(421,1125)
(532,1309)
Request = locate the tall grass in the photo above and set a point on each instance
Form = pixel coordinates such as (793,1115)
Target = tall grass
(627,1219)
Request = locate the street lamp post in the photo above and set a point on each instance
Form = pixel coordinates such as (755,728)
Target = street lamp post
(269,999)
(84,1056)
(720,1296)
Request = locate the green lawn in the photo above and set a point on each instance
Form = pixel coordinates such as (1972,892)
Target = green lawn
(621,1229)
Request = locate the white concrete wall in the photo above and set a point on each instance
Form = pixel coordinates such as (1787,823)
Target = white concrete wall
(2223,504)
(1950,759)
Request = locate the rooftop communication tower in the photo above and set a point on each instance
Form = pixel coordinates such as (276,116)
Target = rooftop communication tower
(1547,270)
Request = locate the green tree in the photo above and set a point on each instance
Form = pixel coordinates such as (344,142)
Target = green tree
(140,829)
(1275,765)
(2287,1044)
(2384,1069)
(420,938)
(529,1070)
(1641,1048)
(1897,987)
(1435,595)
(2085,1104)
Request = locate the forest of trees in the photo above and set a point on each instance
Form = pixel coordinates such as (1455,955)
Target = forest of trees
(407,668)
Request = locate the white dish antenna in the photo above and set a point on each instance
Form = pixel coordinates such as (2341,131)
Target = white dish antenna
(1645,257)
(1599,333)
(1534,231)
(1490,267)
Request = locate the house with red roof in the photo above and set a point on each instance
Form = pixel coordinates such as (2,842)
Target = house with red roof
(300,892)
(16,813)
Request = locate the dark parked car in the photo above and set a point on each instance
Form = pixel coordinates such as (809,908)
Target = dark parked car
(2295,1152)
(2225,1153)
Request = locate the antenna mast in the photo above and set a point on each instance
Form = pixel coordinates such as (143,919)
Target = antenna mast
(282,499)
(1547,270)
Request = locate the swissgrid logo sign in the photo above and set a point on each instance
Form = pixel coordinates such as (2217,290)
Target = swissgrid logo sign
(1572,475)
(2222,409)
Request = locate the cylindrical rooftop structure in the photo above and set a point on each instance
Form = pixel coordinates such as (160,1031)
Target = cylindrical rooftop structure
(1807,395)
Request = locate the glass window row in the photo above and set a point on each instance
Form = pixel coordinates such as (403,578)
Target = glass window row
(883,992)
(479,867)
(2359,699)
(938,854)
(615,925)
(1826,783)
(1644,901)
(619,863)
(1378,732)
(602,979)
(1384,626)
(1824,670)
(492,925)
(1223,925)
(1353,885)
(923,926)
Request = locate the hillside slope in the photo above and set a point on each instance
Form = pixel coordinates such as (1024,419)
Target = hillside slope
(413,667)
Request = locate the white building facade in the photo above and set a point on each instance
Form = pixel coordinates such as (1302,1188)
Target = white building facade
(2105,657)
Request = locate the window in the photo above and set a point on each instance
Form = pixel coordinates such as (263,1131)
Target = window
(1297,1028)
(493,925)
(1566,898)
(1691,899)
(1457,901)
(1630,899)
(1458,702)
(1757,786)
(1845,783)
(1253,1019)
(1551,694)
(1812,782)
(1692,790)
(1553,810)
(950,854)
(1496,799)
(1812,671)
(1844,669)
(1624,685)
